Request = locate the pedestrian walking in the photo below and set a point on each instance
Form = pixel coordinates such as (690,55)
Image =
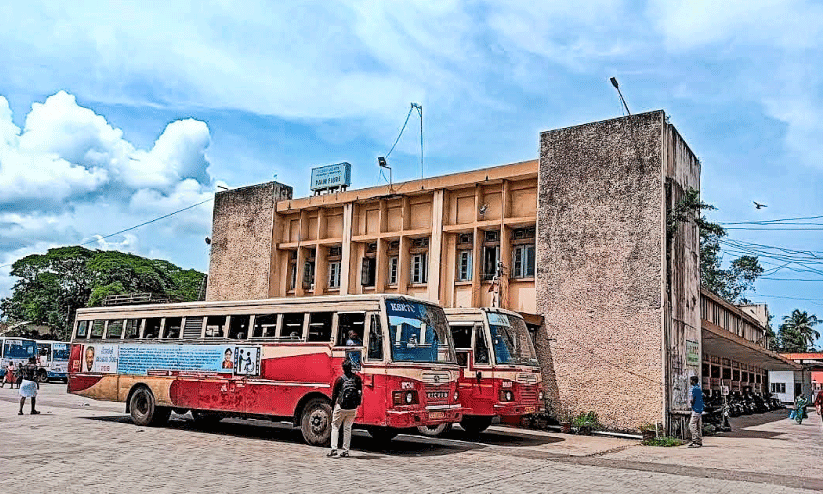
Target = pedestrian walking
(9,376)
(30,385)
(346,397)
(696,404)
(818,402)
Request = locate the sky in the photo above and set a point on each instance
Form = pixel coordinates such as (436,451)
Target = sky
(116,113)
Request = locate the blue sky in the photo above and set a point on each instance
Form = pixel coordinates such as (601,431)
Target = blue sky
(113,113)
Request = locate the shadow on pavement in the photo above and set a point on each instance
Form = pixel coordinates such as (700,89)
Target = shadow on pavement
(739,425)
(402,445)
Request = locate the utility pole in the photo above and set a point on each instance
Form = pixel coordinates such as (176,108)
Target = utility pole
(419,109)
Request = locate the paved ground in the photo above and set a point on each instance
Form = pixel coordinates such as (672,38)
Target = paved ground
(78,445)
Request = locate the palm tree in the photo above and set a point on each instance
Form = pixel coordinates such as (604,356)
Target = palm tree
(801,324)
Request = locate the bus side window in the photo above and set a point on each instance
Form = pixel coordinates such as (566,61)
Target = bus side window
(265,326)
(81,329)
(239,327)
(292,327)
(481,351)
(320,326)
(346,323)
(462,336)
(172,328)
(215,326)
(152,328)
(132,328)
(97,329)
(115,329)
(375,339)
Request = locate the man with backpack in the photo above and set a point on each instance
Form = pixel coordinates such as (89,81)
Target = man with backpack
(345,398)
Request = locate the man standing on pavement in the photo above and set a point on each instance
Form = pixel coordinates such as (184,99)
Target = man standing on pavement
(696,404)
(345,398)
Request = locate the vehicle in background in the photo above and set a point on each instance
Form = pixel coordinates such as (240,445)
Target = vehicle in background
(15,350)
(52,360)
(275,358)
(500,374)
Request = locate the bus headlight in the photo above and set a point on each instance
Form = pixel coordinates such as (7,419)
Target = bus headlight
(540,396)
(506,395)
(405,398)
(456,395)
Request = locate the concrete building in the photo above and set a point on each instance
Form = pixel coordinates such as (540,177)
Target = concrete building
(578,241)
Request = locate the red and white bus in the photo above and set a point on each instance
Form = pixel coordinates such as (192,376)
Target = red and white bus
(275,359)
(500,373)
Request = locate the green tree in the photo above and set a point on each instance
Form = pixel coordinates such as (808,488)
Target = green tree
(52,286)
(730,283)
(797,333)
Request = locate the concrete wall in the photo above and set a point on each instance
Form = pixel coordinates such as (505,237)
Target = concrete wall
(600,266)
(682,290)
(787,378)
(242,226)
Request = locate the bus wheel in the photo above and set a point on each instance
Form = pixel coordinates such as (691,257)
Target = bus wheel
(382,435)
(42,376)
(315,422)
(434,430)
(475,425)
(143,409)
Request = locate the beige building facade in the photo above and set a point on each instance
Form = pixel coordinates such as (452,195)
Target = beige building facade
(577,241)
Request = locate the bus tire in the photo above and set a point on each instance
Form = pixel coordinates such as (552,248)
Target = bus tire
(316,422)
(144,410)
(42,376)
(382,435)
(434,430)
(475,425)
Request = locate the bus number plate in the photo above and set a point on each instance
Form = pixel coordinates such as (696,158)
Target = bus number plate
(437,395)
(437,415)
(530,410)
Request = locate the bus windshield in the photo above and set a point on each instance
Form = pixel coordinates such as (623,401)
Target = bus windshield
(19,348)
(60,351)
(418,332)
(511,340)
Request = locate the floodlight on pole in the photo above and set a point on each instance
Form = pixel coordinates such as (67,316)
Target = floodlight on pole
(616,86)
(381,162)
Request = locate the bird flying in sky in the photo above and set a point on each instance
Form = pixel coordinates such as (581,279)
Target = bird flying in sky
(757,205)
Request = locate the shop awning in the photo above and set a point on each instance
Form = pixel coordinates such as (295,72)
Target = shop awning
(718,341)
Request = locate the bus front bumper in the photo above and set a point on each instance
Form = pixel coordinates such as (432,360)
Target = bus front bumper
(516,409)
(431,415)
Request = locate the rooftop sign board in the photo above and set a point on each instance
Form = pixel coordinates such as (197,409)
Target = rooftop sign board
(331,176)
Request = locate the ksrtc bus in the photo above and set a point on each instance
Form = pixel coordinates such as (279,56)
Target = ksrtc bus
(275,359)
(16,351)
(500,373)
(52,360)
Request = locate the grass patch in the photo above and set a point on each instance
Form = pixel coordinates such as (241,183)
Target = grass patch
(665,442)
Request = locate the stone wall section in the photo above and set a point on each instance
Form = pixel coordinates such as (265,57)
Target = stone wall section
(600,268)
(241,242)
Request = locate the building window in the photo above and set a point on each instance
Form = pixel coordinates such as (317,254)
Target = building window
(523,261)
(292,269)
(419,268)
(334,274)
(393,270)
(778,387)
(368,271)
(308,270)
(464,265)
(491,253)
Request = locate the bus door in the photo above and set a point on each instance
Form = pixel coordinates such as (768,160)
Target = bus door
(373,373)
(483,372)
(44,355)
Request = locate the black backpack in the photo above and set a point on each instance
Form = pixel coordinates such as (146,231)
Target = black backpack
(349,393)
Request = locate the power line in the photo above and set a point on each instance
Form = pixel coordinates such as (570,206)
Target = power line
(760,222)
(136,226)
(401,132)
(787,279)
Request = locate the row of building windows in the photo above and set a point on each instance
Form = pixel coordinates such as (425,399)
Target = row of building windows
(522,261)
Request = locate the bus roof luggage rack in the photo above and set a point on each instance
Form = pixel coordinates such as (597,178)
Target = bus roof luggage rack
(135,299)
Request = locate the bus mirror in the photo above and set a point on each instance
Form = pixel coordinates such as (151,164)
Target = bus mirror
(479,376)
